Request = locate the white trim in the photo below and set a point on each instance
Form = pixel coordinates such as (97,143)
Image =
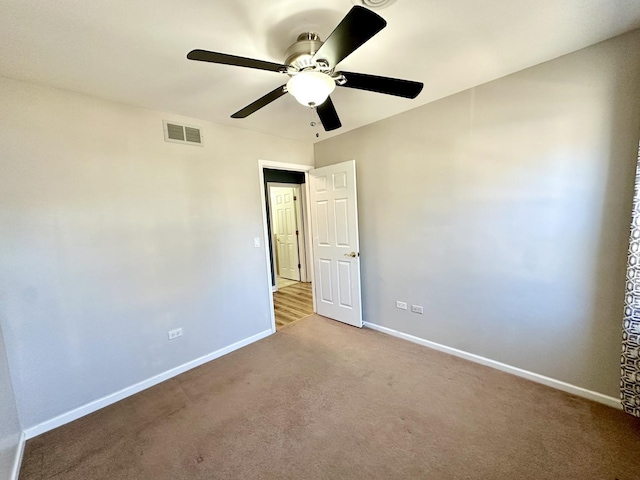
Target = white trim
(535,377)
(306,223)
(302,238)
(310,252)
(294,167)
(262,164)
(138,387)
(15,473)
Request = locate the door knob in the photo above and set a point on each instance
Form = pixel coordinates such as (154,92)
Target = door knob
(352,254)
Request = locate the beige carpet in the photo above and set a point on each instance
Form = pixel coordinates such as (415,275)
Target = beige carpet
(321,400)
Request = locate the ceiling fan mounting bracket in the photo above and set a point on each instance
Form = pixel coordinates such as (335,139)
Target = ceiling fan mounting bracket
(289,70)
(322,64)
(340,79)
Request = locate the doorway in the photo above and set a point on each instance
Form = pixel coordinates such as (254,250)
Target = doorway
(332,252)
(286,239)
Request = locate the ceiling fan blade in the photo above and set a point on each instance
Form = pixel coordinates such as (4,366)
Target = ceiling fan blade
(390,86)
(358,26)
(223,58)
(261,102)
(328,115)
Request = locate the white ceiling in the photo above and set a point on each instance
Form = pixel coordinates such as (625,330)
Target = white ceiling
(135,51)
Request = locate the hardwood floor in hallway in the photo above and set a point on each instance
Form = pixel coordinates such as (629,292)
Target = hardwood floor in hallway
(285,282)
(292,303)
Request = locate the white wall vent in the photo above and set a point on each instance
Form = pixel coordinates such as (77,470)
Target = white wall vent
(174,132)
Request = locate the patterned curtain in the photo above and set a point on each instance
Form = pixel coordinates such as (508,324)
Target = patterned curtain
(630,360)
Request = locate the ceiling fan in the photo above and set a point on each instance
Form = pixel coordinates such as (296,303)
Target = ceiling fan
(311,66)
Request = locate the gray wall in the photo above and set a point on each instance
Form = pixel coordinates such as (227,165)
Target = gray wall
(504,210)
(112,236)
(10,430)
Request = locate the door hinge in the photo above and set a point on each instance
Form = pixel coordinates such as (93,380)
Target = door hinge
(297,232)
(295,198)
(299,266)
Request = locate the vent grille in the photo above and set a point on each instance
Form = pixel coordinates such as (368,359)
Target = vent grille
(192,134)
(174,132)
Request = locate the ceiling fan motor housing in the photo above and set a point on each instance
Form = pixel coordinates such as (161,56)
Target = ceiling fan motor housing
(299,54)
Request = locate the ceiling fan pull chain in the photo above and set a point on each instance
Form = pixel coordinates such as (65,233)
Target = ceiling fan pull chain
(313,122)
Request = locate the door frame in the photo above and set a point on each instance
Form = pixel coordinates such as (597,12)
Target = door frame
(262,164)
(302,240)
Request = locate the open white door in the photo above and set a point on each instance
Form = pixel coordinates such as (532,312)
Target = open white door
(285,230)
(336,252)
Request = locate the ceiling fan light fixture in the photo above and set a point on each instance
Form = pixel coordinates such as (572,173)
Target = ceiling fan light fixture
(311,88)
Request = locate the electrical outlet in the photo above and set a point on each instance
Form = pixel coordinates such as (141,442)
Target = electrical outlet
(417,309)
(175,333)
(401,305)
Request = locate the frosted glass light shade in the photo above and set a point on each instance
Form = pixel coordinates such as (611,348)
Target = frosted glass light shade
(311,88)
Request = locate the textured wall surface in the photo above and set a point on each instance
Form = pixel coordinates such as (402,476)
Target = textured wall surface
(112,236)
(504,211)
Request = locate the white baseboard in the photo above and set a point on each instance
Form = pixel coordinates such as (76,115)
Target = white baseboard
(15,473)
(535,377)
(138,387)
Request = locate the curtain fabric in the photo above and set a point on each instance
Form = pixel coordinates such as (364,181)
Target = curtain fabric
(630,360)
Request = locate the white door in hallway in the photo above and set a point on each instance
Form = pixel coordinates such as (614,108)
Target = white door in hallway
(336,249)
(283,204)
